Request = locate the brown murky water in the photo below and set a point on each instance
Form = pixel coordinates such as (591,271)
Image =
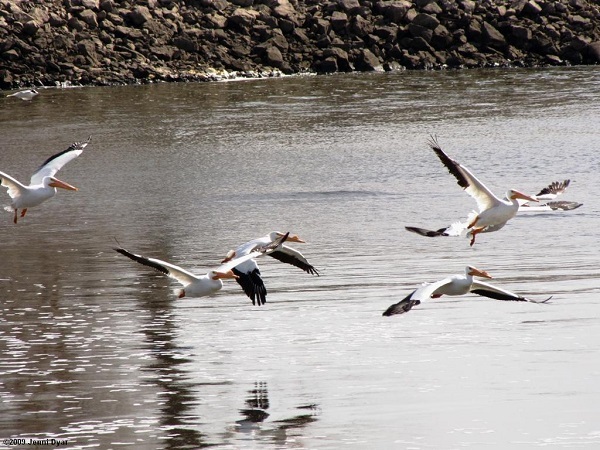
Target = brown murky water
(95,349)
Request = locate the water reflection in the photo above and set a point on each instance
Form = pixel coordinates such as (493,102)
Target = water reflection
(177,396)
(278,431)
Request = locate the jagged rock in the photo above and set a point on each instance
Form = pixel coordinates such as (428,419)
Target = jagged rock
(350,6)
(217,21)
(368,62)
(441,37)
(273,57)
(110,41)
(431,8)
(285,10)
(341,58)
(520,33)
(426,21)
(492,36)
(531,8)
(594,51)
(327,65)
(243,18)
(418,31)
(339,21)
(128,33)
(395,11)
(139,15)
(361,27)
(31,27)
(89,17)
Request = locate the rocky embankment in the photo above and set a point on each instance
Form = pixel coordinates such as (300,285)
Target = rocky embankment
(99,42)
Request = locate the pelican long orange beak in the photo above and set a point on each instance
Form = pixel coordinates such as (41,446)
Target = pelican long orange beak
(230,255)
(295,238)
(517,194)
(480,273)
(223,275)
(56,183)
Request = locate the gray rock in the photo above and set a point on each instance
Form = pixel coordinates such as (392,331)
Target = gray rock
(31,27)
(492,36)
(350,6)
(427,21)
(396,11)
(594,51)
(273,57)
(243,18)
(418,31)
(339,21)
(89,17)
(368,62)
(139,15)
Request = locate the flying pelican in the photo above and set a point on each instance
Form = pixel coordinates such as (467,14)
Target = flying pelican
(456,285)
(493,211)
(43,184)
(249,274)
(202,285)
(548,194)
(27,94)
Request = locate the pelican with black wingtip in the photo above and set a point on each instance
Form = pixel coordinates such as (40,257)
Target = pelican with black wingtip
(248,273)
(457,285)
(209,283)
(43,183)
(493,213)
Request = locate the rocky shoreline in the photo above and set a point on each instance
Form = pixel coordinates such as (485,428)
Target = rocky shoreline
(105,42)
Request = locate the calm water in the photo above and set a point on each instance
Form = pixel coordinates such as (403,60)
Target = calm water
(95,349)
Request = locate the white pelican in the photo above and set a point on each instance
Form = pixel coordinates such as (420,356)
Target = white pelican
(43,184)
(493,211)
(26,94)
(456,285)
(249,274)
(201,285)
(548,194)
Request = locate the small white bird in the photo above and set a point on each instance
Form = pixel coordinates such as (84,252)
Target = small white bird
(456,285)
(43,183)
(201,285)
(248,273)
(493,213)
(26,95)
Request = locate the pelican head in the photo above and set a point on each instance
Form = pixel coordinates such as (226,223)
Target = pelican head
(474,271)
(56,183)
(513,195)
(221,275)
(291,238)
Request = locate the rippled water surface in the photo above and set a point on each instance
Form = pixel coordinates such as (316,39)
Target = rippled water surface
(96,349)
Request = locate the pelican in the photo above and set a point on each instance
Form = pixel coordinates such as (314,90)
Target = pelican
(26,94)
(456,285)
(494,212)
(201,285)
(43,183)
(548,194)
(248,273)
